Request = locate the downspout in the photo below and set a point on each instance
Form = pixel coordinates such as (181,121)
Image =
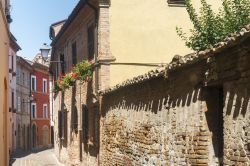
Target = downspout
(31,131)
(52,108)
(80,127)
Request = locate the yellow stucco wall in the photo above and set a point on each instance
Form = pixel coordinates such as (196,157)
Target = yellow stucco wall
(4,86)
(143,31)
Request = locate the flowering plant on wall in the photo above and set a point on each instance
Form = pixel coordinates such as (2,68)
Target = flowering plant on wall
(82,72)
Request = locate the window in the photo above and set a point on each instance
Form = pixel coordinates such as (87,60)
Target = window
(12,63)
(65,125)
(57,71)
(23,79)
(33,83)
(62,63)
(60,124)
(19,104)
(44,85)
(177,2)
(33,110)
(74,53)
(18,76)
(91,37)
(45,111)
(12,102)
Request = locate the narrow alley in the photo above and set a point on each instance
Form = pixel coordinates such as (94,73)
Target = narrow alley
(125,83)
(44,157)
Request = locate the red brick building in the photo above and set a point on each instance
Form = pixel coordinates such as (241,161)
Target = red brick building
(40,114)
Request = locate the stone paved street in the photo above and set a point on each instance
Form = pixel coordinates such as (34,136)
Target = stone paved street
(35,158)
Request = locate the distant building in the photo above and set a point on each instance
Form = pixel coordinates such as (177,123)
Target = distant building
(14,47)
(4,81)
(40,112)
(23,98)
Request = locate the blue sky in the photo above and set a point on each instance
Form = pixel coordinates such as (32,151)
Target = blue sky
(32,19)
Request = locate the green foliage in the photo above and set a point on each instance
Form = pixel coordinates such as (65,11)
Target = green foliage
(56,88)
(82,71)
(210,27)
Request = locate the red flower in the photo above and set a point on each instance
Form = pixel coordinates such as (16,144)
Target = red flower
(74,75)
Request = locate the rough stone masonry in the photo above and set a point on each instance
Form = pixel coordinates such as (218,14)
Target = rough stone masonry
(194,112)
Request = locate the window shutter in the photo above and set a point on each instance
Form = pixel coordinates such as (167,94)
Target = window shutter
(85,119)
(65,125)
(91,43)
(59,124)
(62,63)
(74,53)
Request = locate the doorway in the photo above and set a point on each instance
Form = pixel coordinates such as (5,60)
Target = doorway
(214,116)
(33,136)
(45,136)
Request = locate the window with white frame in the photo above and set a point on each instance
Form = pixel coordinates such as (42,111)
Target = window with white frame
(44,85)
(33,110)
(33,83)
(45,111)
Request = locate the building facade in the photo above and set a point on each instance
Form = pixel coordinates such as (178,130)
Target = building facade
(120,44)
(14,47)
(40,114)
(23,98)
(4,78)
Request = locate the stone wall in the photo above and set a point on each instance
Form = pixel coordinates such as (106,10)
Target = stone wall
(234,71)
(157,122)
(197,113)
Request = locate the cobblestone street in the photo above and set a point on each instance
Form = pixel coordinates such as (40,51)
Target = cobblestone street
(35,158)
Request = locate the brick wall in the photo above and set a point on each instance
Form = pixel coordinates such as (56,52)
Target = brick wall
(197,114)
(77,146)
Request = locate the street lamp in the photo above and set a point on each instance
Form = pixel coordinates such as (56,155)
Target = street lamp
(45,50)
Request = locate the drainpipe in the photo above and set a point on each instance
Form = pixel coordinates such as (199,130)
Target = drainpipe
(30,103)
(80,125)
